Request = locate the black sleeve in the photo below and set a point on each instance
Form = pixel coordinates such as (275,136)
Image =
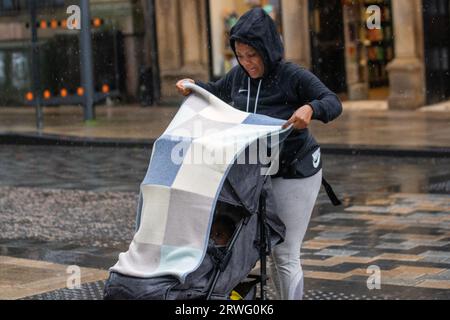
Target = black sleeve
(221,88)
(325,103)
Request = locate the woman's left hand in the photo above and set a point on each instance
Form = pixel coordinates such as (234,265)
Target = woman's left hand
(301,118)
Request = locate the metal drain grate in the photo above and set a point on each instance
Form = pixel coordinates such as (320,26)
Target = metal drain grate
(320,295)
(94,291)
(88,291)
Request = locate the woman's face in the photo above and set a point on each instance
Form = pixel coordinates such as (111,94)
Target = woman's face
(250,59)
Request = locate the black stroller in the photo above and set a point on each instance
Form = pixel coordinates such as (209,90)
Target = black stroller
(173,257)
(244,230)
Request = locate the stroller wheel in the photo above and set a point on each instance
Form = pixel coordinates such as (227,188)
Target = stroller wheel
(245,290)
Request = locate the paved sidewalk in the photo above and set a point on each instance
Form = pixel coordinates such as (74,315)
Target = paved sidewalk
(363,124)
(405,235)
(395,215)
(20,278)
(76,206)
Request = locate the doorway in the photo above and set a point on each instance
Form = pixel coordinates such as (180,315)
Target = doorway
(328,43)
(436,15)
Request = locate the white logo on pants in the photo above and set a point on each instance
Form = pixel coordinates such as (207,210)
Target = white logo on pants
(316,158)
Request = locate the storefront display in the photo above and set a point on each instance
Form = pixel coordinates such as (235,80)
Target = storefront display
(379,42)
(368,50)
(328,43)
(355,52)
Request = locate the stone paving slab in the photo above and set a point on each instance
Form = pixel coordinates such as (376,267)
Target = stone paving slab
(88,291)
(21,278)
(94,291)
(342,257)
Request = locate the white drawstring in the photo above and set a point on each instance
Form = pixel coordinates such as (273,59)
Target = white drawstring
(248,95)
(257,96)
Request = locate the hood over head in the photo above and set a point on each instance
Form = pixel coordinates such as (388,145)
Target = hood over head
(258,30)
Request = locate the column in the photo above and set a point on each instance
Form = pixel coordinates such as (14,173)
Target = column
(194,38)
(169,44)
(296,31)
(406,71)
(182,43)
(132,50)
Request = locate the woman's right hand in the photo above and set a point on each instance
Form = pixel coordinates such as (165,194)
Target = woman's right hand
(181,89)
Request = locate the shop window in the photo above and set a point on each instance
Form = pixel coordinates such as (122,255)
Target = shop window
(60,62)
(2,69)
(19,64)
(328,43)
(379,43)
(8,7)
(436,15)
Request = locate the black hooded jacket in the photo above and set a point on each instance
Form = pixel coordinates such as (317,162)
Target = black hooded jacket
(284,88)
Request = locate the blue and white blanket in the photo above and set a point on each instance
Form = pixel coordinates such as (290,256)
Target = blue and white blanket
(188,167)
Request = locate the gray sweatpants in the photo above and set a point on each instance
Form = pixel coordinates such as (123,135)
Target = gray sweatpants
(295,202)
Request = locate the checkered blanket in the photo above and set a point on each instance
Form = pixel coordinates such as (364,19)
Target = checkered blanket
(188,167)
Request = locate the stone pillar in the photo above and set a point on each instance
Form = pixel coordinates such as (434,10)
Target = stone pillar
(147,45)
(406,71)
(132,51)
(194,25)
(182,43)
(296,36)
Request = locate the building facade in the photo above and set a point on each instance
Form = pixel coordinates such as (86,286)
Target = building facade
(403,56)
(119,50)
(404,60)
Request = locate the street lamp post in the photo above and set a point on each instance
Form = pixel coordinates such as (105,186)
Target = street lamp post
(151,13)
(35,66)
(87,78)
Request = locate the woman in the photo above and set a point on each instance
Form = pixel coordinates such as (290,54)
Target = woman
(264,83)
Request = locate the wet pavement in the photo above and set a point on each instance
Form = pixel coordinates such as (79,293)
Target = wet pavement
(76,206)
(21,278)
(77,168)
(362,124)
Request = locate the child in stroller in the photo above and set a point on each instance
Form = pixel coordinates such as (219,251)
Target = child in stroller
(226,219)
(242,233)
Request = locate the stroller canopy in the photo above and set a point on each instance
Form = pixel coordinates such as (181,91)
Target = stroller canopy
(189,165)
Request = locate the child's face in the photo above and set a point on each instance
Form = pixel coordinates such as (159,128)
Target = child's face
(220,235)
(222,231)
(250,59)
